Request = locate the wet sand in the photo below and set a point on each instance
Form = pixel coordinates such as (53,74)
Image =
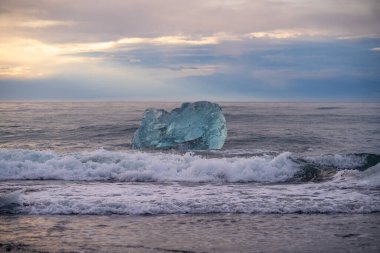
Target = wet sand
(191,233)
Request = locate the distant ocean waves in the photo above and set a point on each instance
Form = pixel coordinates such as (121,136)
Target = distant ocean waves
(130,166)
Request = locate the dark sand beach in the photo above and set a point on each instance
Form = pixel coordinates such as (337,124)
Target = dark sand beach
(192,233)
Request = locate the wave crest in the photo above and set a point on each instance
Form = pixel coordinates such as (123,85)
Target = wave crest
(134,166)
(105,165)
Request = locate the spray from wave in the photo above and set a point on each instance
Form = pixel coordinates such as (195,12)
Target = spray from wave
(89,183)
(140,166)
(102,165)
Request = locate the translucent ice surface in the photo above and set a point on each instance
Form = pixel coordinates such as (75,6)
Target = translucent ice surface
(199,125)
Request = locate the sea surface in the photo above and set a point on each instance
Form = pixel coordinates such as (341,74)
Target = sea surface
(291,177)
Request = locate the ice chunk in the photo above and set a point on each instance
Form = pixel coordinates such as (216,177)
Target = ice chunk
(199,125)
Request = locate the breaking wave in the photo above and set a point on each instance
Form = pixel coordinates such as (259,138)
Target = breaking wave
(349,192)
(103,182)
(102,165)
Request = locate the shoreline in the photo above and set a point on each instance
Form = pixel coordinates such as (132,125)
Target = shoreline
(191,233)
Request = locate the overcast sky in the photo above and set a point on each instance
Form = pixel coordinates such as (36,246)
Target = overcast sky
(274,50)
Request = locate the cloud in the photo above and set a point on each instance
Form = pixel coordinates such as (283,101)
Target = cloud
(45,23)
(79,21)
(286,34)
(28,58)
(282,77)
(180,40)
(157,47)
(36,37)
(8,21)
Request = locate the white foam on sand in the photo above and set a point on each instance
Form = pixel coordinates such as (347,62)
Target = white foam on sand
(99,198)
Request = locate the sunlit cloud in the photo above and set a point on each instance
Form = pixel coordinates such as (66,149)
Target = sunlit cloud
(359,36)
(170,40)
(181,40)
(14,21)
(45,23)
(286,34)
(144,45)
(28,58)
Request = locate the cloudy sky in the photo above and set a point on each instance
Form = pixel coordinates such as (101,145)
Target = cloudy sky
(276,50)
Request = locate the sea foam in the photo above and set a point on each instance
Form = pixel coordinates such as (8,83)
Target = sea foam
(100,198)
(102,165)
(103,182)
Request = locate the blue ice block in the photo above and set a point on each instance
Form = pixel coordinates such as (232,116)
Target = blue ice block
(199,125)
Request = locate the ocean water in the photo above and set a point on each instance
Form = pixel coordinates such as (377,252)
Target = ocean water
(308,166)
